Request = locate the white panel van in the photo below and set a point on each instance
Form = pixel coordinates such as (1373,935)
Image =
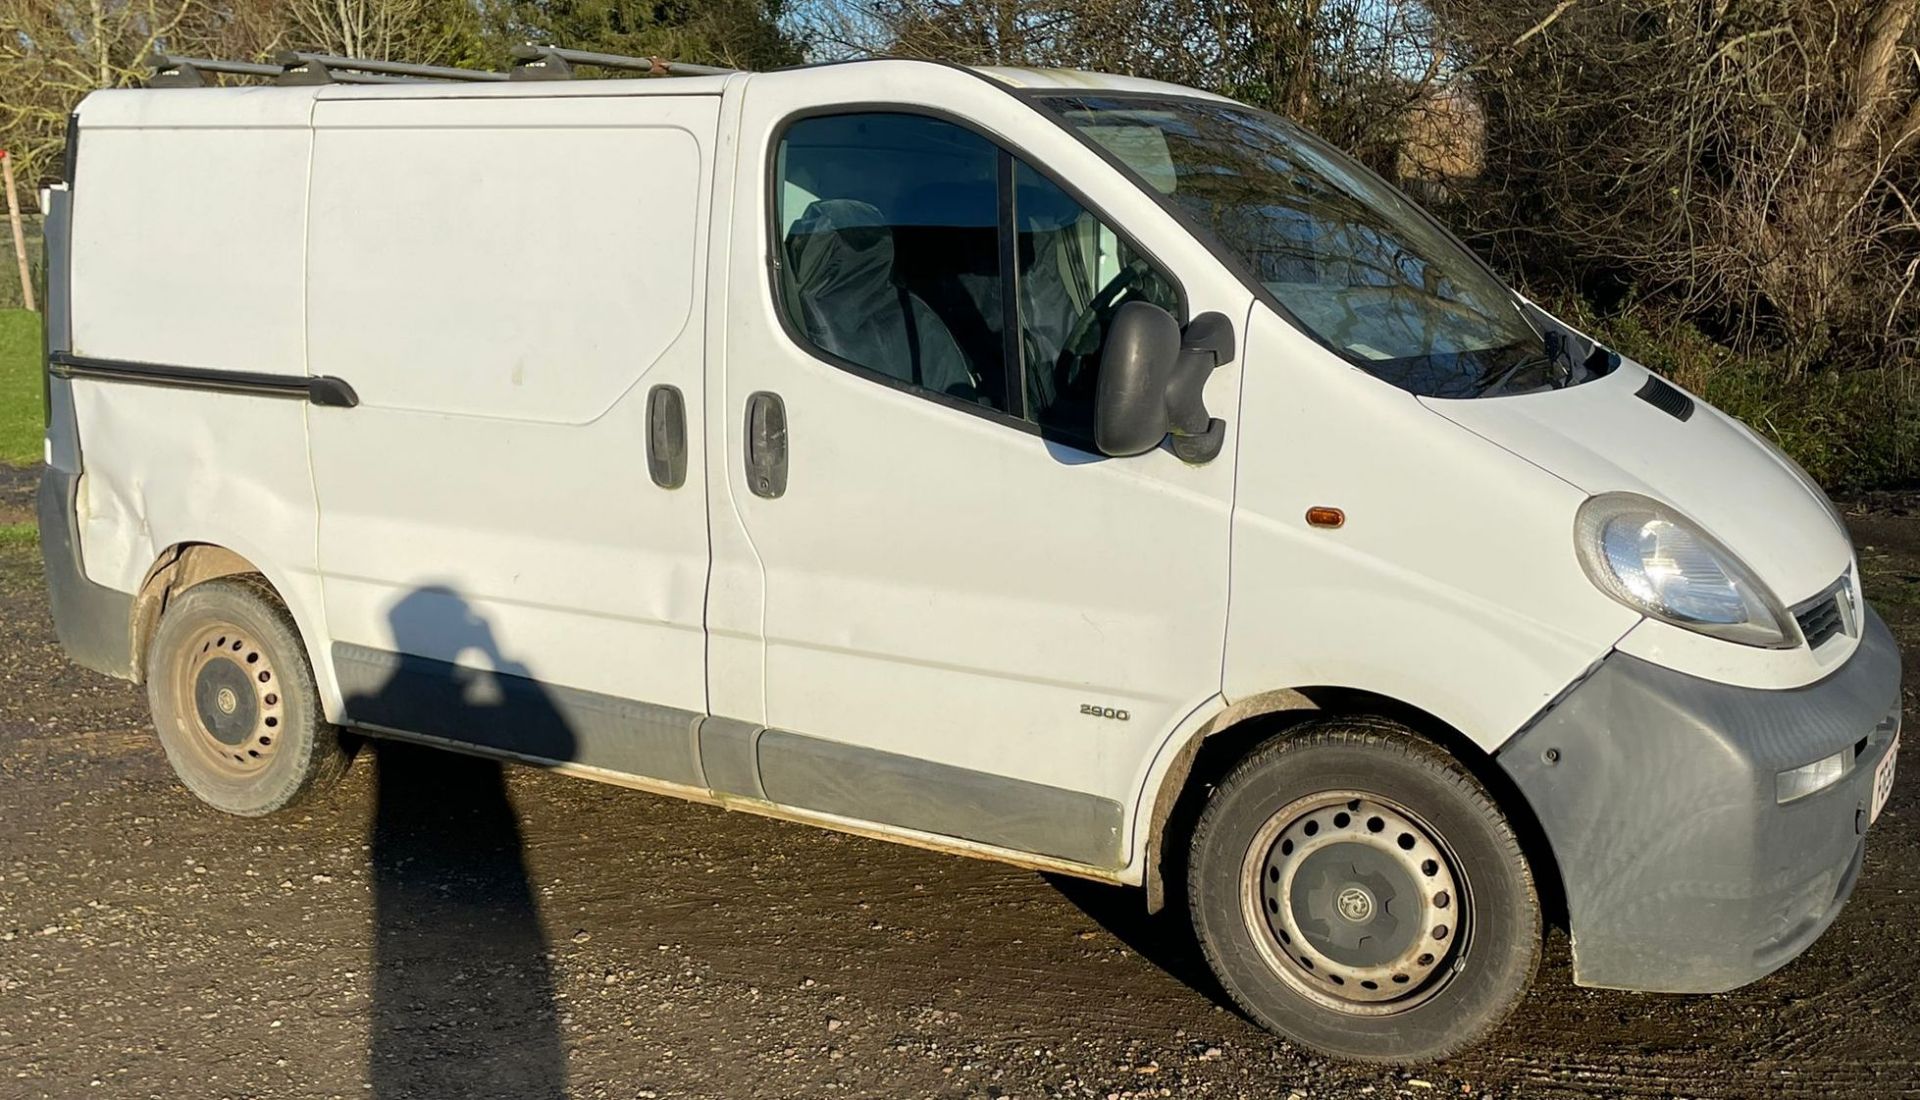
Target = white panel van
(1075,470)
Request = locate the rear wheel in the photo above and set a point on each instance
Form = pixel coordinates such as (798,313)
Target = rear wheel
(1357,891)
(234,703)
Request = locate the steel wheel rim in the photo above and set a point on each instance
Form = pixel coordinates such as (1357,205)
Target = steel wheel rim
(227,693)
(1377,924)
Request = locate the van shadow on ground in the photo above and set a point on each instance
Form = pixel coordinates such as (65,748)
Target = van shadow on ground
(1164,939)
(463,984)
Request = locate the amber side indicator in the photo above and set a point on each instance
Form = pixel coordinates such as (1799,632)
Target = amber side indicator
(1325,517)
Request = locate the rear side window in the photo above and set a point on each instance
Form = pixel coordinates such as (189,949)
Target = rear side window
(914,249)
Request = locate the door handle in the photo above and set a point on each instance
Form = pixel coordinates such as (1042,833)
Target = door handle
(667,437)
(766,445)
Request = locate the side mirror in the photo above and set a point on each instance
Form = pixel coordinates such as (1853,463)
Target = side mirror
(1151,378)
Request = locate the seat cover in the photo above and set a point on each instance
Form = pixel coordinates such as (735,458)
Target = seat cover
(848,301)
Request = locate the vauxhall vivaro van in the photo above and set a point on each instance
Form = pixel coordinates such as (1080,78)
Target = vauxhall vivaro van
(1075,470)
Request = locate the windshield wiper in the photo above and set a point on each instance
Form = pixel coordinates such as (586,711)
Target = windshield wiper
(1499,383)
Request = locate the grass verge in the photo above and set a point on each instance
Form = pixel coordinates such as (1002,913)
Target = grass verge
(21,421)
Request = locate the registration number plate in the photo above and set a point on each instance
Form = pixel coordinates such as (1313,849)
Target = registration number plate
(1883,781)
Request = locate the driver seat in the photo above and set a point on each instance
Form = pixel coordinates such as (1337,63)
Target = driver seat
(844,294)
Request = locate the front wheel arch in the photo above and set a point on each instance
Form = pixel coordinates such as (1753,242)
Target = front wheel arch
(1243,727)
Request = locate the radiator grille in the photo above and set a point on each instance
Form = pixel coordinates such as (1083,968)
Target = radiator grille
(1828,615)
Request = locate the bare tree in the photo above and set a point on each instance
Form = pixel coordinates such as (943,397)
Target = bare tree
(1754,163)
(1355,70)
(53,53)
(397,30)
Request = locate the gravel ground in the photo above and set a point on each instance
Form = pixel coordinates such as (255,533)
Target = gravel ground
(447,927)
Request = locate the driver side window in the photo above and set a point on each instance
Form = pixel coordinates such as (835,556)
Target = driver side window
(908,245)
(1072,273)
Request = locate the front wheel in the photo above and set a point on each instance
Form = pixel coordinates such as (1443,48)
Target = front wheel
(1357,891)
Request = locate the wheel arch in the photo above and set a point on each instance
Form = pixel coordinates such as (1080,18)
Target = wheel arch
(1228,736)
(178,568)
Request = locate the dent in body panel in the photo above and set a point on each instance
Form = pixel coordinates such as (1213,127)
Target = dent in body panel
(405,295)
(490,702)
(593,581)
(89,619)
(180,466)
(167,467)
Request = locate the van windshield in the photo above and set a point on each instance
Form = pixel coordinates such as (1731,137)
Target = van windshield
(1349,257)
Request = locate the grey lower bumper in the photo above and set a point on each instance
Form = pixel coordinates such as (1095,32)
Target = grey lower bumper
(92,621)
(1657,791)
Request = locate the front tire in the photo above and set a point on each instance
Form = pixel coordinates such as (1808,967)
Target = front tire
(1356,891)
(234,703)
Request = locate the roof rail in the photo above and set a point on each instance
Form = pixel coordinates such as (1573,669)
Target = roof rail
(532,62)
(187,72)
(299,68)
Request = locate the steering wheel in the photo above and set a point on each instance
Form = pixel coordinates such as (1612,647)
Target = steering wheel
(1103,304)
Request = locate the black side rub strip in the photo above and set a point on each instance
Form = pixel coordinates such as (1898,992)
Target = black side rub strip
(324,390)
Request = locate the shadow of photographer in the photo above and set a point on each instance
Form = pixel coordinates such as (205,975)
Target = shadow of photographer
(463,984)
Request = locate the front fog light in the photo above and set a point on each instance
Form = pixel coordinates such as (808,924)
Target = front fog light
(1808,778)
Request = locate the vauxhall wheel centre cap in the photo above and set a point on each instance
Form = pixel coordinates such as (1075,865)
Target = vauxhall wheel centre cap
(226,700)
(1355,903)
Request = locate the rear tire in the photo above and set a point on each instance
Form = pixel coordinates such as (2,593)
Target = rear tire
(1357,892)
(234,703)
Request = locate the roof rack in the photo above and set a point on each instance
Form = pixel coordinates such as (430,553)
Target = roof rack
(532,62)
(300,68)
(187,72)
(324,68)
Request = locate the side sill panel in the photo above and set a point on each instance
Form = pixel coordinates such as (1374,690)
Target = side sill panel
(731,762)
(850,781)
(762,808)
(517,714)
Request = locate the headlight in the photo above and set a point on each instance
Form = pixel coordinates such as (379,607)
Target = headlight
(1656,561)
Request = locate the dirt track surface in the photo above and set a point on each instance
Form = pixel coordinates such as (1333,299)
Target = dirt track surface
(445,927)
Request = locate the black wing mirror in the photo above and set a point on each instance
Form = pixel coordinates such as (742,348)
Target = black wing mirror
(1151,377)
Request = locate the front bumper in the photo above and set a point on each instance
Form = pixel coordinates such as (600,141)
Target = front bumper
(1657,792)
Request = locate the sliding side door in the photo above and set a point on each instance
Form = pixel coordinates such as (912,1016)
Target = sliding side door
(512,549)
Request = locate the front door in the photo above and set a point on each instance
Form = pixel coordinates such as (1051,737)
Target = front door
(949,613)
